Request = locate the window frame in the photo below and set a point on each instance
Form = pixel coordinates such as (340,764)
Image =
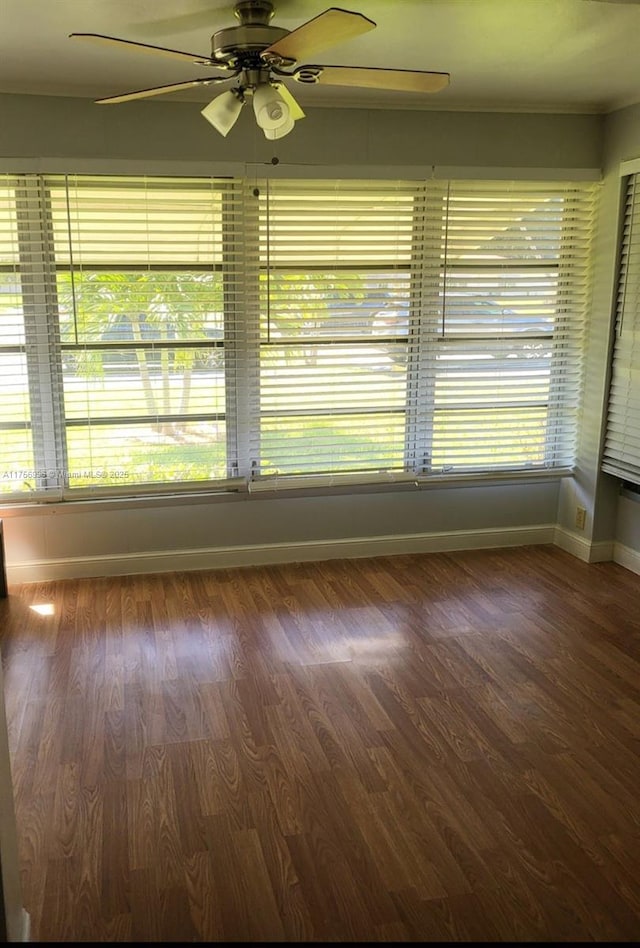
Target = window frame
(242,315)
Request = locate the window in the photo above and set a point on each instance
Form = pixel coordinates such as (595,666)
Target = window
(337,268)
(181,333)
(622,441)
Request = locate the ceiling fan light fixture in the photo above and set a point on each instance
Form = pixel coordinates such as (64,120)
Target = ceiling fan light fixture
(223,111)
(271,111)
(281,131)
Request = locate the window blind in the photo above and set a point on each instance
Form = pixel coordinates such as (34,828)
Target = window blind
(412,330)
(338,278)
(169,334)
(621,454)
(513,303)
(134,289)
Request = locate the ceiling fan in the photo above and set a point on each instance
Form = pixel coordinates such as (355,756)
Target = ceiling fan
(260,56)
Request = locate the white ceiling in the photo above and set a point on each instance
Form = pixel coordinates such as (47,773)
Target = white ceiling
(546,55)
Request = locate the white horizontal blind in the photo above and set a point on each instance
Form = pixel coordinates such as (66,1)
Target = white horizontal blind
(515,288)
(140,348)
(163,334)
(143,272)
(337,269)
(416,329)
(621,455)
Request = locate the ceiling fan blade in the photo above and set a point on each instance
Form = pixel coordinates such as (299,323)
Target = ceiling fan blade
(294,108)
(402,80)
(328,28)
(146,48)
(161,90)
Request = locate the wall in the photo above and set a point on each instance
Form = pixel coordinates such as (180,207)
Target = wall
(56,541)
(38,127)
(59,134)
(588,488)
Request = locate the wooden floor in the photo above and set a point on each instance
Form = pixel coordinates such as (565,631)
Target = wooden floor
(440,747)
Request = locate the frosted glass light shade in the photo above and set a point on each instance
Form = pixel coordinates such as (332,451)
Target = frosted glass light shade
(271,110)
(223,111)
(273,133)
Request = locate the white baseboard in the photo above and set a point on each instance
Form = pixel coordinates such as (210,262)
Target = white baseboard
(625,556)
(602,551)
(25,934)
(256,555)
(589,552)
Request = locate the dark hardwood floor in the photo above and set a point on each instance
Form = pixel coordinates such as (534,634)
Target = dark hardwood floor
(440,747)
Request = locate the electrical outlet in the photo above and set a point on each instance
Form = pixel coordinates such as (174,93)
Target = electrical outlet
(581,517)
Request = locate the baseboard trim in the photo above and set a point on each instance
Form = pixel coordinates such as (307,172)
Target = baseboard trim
(625,556)
(258,555)
(600,551)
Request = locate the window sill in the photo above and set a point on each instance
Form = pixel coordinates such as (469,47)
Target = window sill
(195,498)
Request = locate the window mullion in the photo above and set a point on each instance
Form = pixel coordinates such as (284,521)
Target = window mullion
(42,337)
(241,305)
(424,324)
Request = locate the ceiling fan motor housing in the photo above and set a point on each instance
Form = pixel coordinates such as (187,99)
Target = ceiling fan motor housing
(242,45)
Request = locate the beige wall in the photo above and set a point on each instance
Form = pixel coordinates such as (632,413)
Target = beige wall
(49,133)
(73,129)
